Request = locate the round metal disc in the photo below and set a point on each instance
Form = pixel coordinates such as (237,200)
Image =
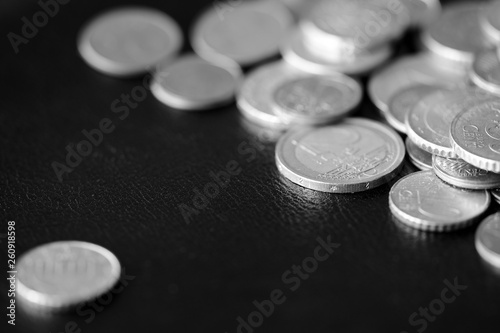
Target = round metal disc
(490,20)
(485,72)
(245,32)
(488,240)
(461,174)
(420,158)
(129,41)
(191,83)
(60,275)
(422,201)
(496,194)
(423,12)
(351,156)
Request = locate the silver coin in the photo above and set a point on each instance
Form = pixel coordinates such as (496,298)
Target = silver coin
(475,135)
(485,72)
(420,158)
(317,99)
(410,71)
(243,31)
(488,240)
(296,52)
(422,201)
(129,41)
(191,83)
(403,102)
(461,174)
(60,275)
(351,156)
(255,99)
(423,12)
(490,20)
(457,35)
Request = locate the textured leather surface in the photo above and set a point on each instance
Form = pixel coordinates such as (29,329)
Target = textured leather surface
(201,276)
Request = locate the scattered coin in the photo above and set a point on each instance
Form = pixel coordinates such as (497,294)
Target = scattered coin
(490,20)
(317,99)
(457,35)
(488,240)
(475,135)
(422,201)
(461,174)
(129,41)
(420,158)
(245,32)
(485,72)
(403,102)
(351,156)
(423,12)
(59,275)
(191,83)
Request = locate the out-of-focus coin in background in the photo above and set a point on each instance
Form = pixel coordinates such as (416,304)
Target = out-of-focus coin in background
(192,83)
(485,72)
(496,194)
(60,275)
(420,158)
(352,156)
(246,32)
(423,12)
(422,201)
(129,41)
(489,20)
(488,240)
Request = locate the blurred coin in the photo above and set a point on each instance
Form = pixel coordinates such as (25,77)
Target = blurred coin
(60,275)
(419,157)
(485,72)
(410,71)
(255,98)
(488,239)
(490,20)
(423,12)
(299,8)
(317,99)
(403,102)
(457,35)
(496,194)
(297,53)
(422,201)
(475,135)
(351,156)
(461,174)
(244,31)
(129,41)
(191,83)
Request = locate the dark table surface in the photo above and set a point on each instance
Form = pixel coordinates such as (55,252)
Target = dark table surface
(202,275)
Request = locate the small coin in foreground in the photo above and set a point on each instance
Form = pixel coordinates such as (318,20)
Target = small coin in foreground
(352,156)
(129,41)
(191,83)
(461,174)
(59,275)
(485,72)
(488,240)
(422,201)
(420,158)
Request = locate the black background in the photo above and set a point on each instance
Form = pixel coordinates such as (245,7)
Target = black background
(199,277)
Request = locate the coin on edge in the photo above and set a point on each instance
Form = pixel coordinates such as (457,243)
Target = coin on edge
(488,240)
(485,72)
(129,41)
(192,83)
(352,156)
(59,275)
(420,158)
(317,99)
(245,32)
(422,201)
(461,174)
(475,135)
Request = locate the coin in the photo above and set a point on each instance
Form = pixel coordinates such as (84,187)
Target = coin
(129,41)
(461,174)
(420,158)
(317,99)
(422,201)
(255,98)
(490,20)
(423,12)
(496,194)
(457,35)
(351,156)
(410,71)
(475,135)
(296,52)
(488,239)
(246,32)
(485,72)
(403,101)
(59,275)
(191,83)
